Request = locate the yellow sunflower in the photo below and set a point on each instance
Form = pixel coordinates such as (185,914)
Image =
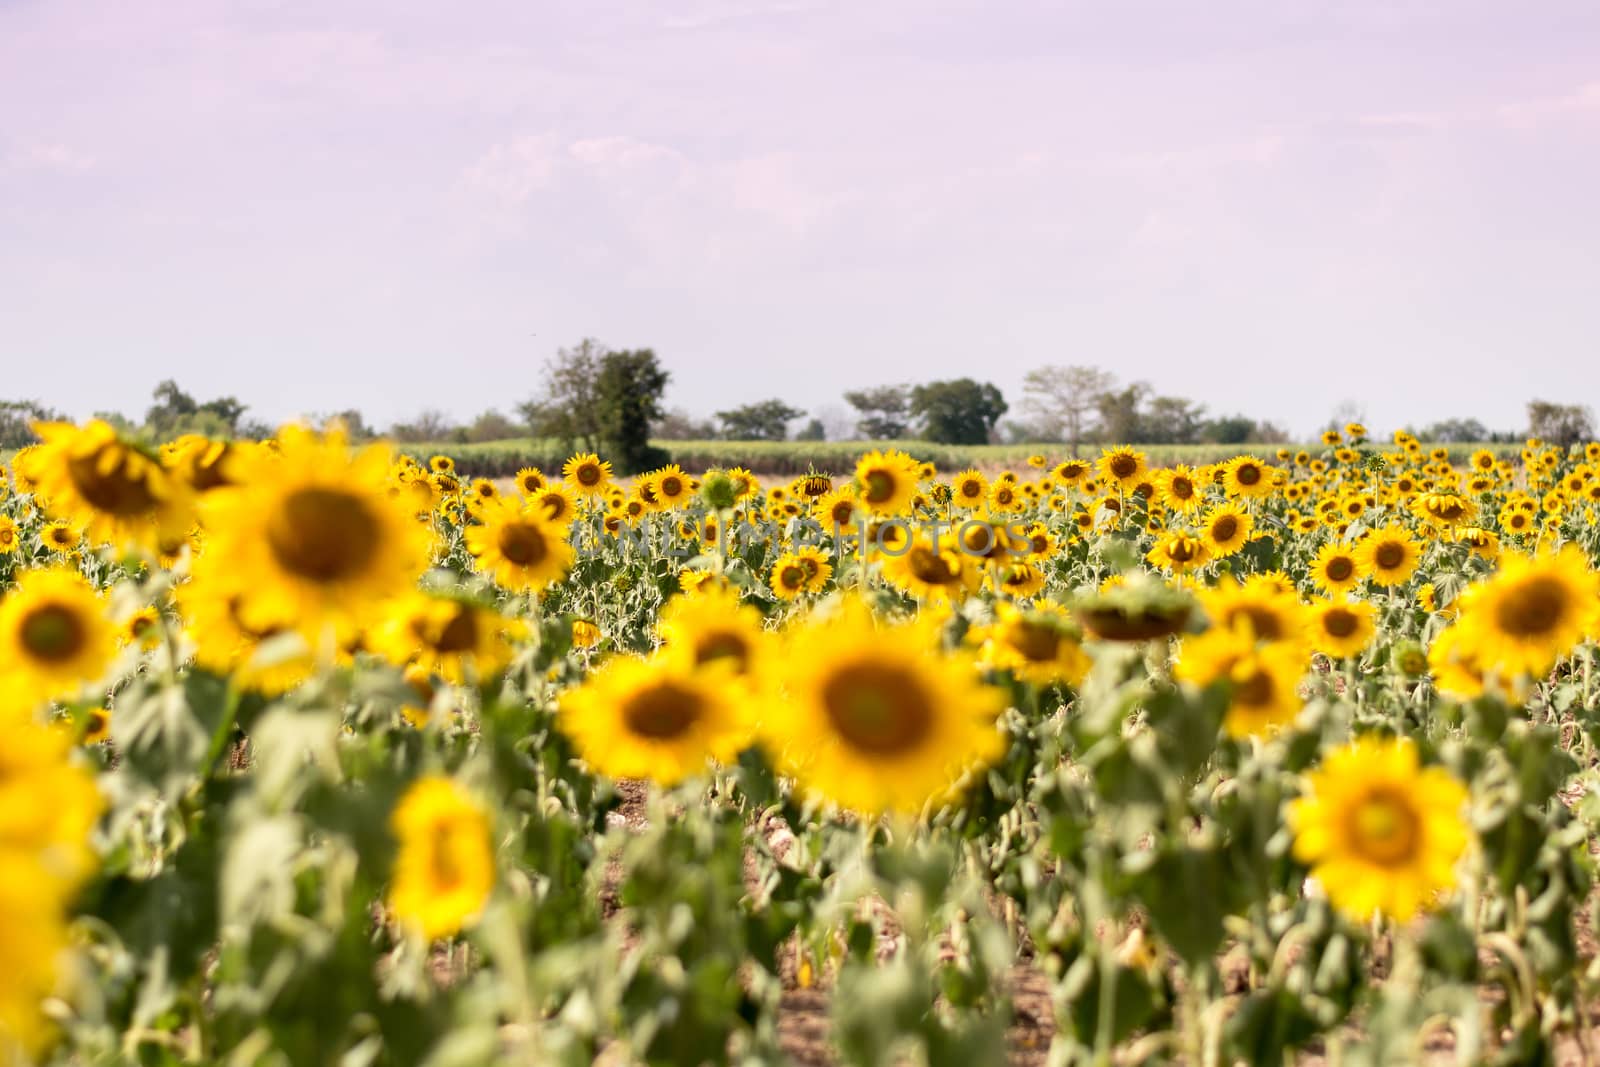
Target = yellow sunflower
(933,569)
(446,636)
(444,871)
(54,638)
(886,481)
(1388,555)
(1179,552)
(671,486)
(310,537)
(554,504)
(1342,627)
(1268,610)
(1070,472)
(1124,466)
(1225,529)
(1180,488)
(519,547)
(875,719)
(1263,679)
(59,537)
(8,535)
(968,490)
(1041,645)
(1381,834)
(1335,569)
(1246,476)
(114,491)
(661,718)
(790,576)
(587,473)
(530,480)
(1531,613)
(716,628)
(270,659)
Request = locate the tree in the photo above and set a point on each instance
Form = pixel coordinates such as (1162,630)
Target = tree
(765,421)
(171,405)
(354,423)
(1120,413)
(567,406)
(679,425)
(1171,420)
(226,408)
(958,412)
(1063,401)
(1560,424)
(885,411)
(627,401)
(1228,430)
(1455,431)
(429,425)
(492,426)
(812,431)
(16,417)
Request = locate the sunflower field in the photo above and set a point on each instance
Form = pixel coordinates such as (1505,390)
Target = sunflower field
(320,754)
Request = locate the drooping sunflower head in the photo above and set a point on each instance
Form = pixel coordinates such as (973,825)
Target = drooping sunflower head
(1380,833)
(661,718)
(874,719)
(54,638)
(311,536)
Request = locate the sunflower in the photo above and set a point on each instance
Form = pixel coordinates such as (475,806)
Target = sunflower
(886,481)
(1246,476)
(1262,679)
(716,629)
(660,718)
(444,871)
(112,490)
(520,548)
(1226,529)
(1381,834)
(671,486)
(59,537)
(875,719)
(1448,509)
(1179,552)
(1335,569)
(269,659)
(1260,606)
(8,535)
(1342,627)
(1041,645)
(445,636)
(587,473)
(201,463)
(933,569)
(554,503)
(818,569)
(790,576)
(1531,613)
(968,490)
(1454,664)
(1124,466)
(838,510)
(1388,555)
(530,480)
(311,538)
(1179,488)
(441,465)
(1019,579)
(54,638)
(142,627)
(1070,472)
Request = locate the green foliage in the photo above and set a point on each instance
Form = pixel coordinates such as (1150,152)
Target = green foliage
(767,420)
(958,412)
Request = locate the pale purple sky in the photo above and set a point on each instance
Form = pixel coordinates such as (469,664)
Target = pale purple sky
(1270,205)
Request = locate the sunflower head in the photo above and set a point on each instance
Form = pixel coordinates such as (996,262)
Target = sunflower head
(444,871)
(112,489)
(54,638)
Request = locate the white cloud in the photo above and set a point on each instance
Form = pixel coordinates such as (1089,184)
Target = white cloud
(510,172)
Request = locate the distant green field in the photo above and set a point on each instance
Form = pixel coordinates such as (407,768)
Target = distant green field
(500,459)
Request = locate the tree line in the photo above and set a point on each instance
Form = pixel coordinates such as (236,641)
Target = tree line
(606,400)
